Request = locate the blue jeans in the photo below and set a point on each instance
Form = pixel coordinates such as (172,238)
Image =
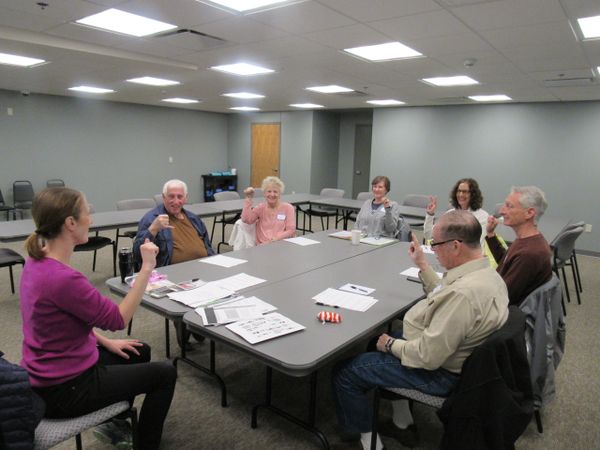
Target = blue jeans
(354,378)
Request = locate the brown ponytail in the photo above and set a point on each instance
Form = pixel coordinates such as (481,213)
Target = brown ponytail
(50,209)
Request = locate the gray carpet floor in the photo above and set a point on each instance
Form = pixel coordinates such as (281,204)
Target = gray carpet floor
(197,421)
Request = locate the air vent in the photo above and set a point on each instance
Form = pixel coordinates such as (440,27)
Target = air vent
(188,38)
(451,100)
(353,94)
(570,82)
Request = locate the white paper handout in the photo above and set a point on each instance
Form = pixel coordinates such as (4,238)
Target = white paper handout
(357,289)
(302,241)
(414,272)
(377,241)
(266,327)
(223,261)
(341,299)
(201,296)
(238,282)
(239,309)
(344,234)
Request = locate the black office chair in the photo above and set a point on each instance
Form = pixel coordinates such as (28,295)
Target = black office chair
(225,219)
(133,203)
(22,196)
(9,258)
(5,207)
(55,182)
(322,211)
(97,242)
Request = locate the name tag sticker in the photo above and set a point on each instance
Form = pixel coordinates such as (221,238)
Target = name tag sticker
(280,216)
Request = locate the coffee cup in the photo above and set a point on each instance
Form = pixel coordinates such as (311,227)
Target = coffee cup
(125,263)
(355,236)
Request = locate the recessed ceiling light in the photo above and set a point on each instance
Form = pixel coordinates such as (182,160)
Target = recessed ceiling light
(329,89)
(20,61)
(459,80)
(245,95)
(245,108)
(590,27)
(383,52)
(306,105)
(126,23)
(180,100)
(151,81)
(490,98)
(388,102)
(248,5)
(242,69)
(91,89)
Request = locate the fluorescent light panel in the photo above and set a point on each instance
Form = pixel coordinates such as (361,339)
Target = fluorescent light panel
(306,105)
(243,69)
(490,98)
(244,95)
(387,102)
(247,5)
(180,100)
(459,80)
(384,52)
(245,108)
(126,23)
(19,61)
(329,89)
(91,89)
(590,27)
(151,81)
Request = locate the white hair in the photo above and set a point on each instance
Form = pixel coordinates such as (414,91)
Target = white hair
(175,183)
(532,197)
(273,180)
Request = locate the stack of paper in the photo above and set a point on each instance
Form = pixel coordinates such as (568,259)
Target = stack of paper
(302,241)
(266,327)
(240,308)
(344,234)
(341,299)
(223,261)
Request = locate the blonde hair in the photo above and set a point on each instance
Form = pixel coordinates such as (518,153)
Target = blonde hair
(50,209)
(273,180)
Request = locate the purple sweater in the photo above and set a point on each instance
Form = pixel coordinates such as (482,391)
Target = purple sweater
(60,308)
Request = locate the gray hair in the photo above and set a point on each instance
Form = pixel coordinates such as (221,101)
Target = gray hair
(273,180)
(461,225)
(175,183)
(532,197)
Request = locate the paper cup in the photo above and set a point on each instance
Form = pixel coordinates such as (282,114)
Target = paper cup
(356,235)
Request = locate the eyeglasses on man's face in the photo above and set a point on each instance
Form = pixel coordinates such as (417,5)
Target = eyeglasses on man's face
(435,244)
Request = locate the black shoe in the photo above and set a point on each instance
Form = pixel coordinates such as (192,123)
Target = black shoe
(198,337)
(408,437)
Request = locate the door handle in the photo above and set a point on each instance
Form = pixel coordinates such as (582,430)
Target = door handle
(358,172)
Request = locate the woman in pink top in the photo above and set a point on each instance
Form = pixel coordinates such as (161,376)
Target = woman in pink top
(274,219)
(75,369)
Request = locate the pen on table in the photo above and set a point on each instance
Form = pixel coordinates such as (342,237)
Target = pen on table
(356,288)
(325,304)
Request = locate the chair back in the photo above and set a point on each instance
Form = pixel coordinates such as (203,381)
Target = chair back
(23,194)
(158,199)
(565,243)
(497,210)
(226,195)
(135,203)
(258,193)
(364,195)
(416,200)
(55,182)
(1,199)
(544,337)
(331,192)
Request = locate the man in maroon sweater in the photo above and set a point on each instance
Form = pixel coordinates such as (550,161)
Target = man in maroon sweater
(526,264)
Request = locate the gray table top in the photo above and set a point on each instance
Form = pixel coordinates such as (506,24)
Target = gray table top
(273,262)
(17,230)
(300,353)
(355,205)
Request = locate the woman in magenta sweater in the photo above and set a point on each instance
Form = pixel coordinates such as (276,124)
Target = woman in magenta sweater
(72,367)
(274,219)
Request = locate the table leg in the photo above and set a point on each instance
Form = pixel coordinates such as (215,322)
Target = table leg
(309,426)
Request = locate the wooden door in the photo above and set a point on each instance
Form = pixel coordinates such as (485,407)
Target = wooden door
(362,159)
(265,151)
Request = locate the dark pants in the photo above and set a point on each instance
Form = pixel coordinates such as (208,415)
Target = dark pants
(114,379)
